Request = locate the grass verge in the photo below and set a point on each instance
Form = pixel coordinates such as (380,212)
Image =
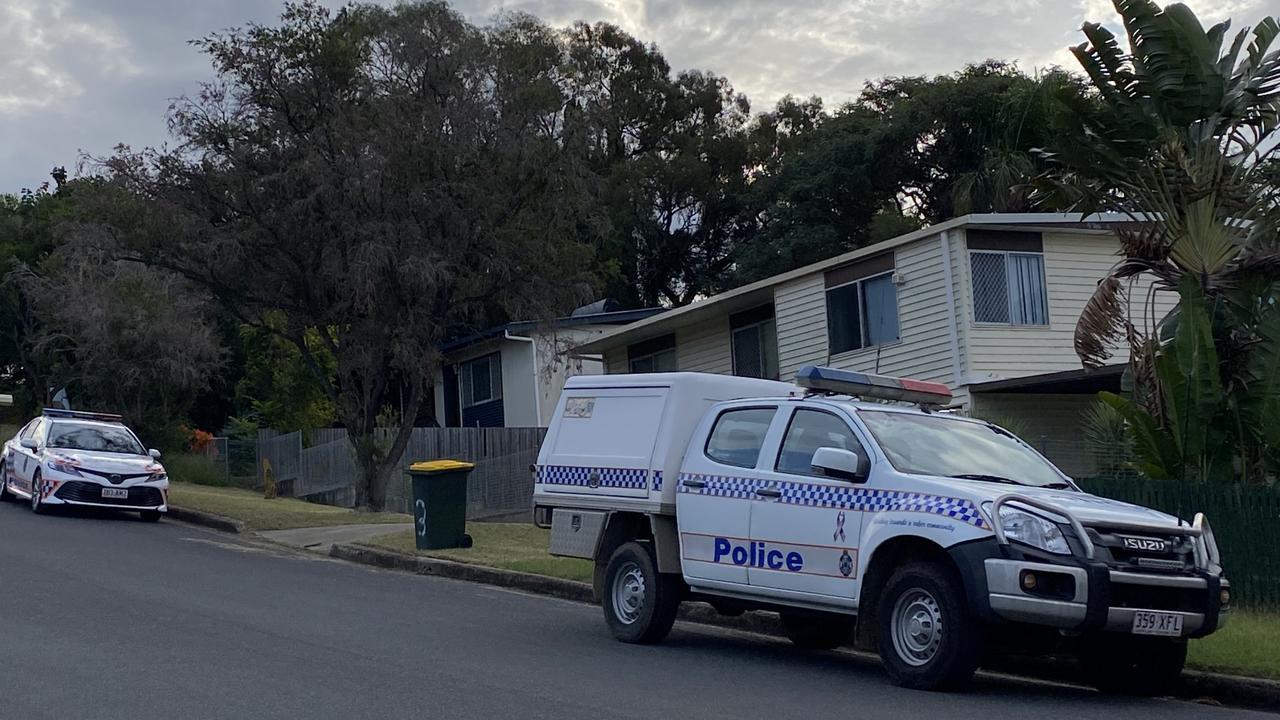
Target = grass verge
(258,513)
(1248,645)
(510,546)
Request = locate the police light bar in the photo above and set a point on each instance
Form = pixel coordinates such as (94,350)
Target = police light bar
(845,382)
(79,415)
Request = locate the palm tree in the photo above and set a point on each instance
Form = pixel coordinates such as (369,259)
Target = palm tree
(1176,134)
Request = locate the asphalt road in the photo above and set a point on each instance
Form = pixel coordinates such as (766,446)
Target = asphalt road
(109,617)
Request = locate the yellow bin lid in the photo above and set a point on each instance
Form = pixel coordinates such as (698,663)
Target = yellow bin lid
(434,466)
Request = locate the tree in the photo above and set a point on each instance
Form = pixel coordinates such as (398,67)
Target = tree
(672,155)
(1177,137)
(376,180)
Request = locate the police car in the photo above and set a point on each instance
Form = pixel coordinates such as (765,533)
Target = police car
(828,503)
(65,457)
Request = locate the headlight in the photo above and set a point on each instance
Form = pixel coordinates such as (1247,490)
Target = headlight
(1029,529)
(157,477)
(63,465)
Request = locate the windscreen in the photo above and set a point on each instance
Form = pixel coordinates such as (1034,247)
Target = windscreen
(952,447)
(100,438)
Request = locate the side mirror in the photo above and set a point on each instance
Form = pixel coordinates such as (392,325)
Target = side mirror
(843,464)
(154,453)
(29,443)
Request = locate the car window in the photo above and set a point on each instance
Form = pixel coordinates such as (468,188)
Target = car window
(738,436)
(952,447)
(810,430)
(32,430)
(101,438)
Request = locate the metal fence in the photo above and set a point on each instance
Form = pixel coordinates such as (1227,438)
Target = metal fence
(323,467)
(1245,520)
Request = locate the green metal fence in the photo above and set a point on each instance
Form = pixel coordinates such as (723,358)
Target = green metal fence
(1245,520)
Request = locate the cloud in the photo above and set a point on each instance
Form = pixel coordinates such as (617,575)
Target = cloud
(83,75)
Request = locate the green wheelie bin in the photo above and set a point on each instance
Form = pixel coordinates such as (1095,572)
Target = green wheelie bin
(440,503)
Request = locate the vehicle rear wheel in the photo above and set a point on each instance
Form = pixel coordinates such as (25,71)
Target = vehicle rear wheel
(639,602)
(813,630)
(37,506)
(149,515)
(928,638)
(5,495)
(1132,665)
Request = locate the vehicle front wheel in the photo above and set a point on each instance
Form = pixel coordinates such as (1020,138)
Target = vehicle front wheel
(928,638)
(1130,665)
(149,515)
(37,506)
(639,602)
(5,495)
(812,630)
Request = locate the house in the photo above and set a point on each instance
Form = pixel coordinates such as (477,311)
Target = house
(984,303)
(511,375)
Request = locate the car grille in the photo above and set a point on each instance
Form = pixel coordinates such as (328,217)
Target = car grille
(85,492)
(1143,551)
(113,478)
(1146,597)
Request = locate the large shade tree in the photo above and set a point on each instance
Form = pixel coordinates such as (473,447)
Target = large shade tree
(365,184)
(1178,134)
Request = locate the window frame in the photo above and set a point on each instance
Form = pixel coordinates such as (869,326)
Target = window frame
(762,351)
(1008,289)
(764,439)
(862,313)
(465,371)
(661,345)
(786,432)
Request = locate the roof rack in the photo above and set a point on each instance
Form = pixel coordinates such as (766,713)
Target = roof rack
(79,415)
(825,380)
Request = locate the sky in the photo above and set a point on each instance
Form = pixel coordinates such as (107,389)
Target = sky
(81,76)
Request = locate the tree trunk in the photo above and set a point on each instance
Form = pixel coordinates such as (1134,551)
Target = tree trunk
(375,467)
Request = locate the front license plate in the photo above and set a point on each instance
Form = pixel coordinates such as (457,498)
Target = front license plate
(119,494)
(1156,623)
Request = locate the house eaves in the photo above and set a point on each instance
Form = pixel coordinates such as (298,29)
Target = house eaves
(754,293)
(617,317)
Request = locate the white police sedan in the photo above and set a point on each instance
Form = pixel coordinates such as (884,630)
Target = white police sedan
(65,457)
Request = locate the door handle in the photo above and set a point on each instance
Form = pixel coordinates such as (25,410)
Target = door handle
(693,483)
(769,493)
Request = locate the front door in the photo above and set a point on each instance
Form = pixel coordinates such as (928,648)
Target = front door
(718,483)
(808,533)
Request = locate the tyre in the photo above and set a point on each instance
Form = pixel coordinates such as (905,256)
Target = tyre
(816,630)
(149,515)
(37,507)
(639,602)
(5,495)
(928,638)
(1131,665)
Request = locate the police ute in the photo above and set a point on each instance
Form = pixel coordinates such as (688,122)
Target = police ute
(66,457)
(850,496)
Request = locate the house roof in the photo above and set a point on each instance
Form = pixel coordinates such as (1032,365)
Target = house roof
(612,317)
(761,291)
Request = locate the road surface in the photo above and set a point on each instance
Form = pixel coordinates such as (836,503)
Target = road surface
(108,617)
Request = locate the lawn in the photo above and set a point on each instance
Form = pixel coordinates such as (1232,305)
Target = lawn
(1248,645)
(258,513)
(509,546)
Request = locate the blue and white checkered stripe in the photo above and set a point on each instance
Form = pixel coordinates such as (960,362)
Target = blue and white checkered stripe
(657,481)
(841,498)
(619,478)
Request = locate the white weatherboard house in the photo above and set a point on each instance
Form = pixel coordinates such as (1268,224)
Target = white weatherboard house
(511,375)
(986,304)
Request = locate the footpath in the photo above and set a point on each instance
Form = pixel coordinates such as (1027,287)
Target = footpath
(514,556)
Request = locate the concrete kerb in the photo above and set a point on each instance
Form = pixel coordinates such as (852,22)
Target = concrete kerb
(1196,685)
(209,520)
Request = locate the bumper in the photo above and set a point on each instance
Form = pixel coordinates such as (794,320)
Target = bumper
(1079,595)
(89,494)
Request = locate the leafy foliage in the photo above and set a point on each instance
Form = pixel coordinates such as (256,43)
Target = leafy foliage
(1180,137)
